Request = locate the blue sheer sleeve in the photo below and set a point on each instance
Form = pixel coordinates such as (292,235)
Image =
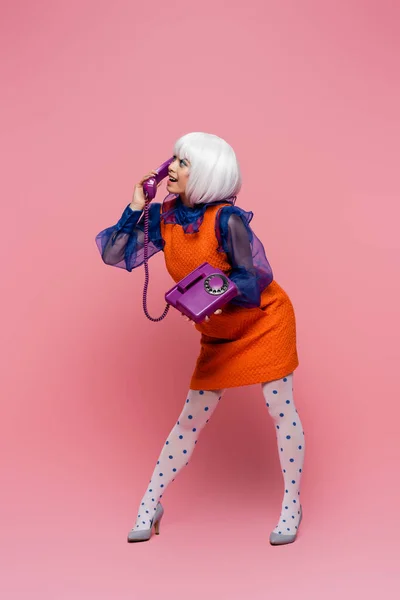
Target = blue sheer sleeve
(122,245)
(251,271)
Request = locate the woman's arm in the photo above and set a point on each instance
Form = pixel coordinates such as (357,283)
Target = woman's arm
(251,271)
(122,245)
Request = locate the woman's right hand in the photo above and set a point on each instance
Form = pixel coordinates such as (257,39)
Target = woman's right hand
(139,198)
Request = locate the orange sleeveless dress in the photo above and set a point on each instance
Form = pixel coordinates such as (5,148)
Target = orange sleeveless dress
(241,346)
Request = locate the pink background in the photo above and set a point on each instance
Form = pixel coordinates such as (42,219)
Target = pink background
(93,96)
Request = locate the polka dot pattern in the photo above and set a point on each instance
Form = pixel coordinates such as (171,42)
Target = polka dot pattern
(176,453)
(291,445)
(178,449)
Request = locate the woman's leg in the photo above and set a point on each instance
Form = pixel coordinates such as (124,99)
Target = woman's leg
(291,446)
(177,450)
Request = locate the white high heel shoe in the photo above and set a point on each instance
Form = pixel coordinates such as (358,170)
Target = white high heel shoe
(145,534)
(277,539)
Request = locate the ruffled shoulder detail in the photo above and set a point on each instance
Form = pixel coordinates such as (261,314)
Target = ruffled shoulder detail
(174,211)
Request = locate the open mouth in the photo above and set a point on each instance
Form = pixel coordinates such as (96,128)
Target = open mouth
(172,179)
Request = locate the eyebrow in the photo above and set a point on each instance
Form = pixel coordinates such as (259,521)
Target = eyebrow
(184,159)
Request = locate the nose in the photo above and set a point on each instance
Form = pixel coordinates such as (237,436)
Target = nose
(172,166)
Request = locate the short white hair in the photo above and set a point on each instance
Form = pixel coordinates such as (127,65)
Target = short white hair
(214,172)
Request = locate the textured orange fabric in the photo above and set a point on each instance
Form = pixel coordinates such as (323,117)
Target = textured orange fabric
(241,346)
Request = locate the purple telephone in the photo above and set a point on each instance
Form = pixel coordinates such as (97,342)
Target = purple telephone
(202,291)
(150,185)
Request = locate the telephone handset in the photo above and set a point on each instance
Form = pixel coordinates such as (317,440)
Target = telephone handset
(150,185)
(150,190)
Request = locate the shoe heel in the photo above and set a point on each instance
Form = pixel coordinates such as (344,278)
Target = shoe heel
(157,527)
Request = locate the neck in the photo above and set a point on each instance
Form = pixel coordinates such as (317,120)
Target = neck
(184,200)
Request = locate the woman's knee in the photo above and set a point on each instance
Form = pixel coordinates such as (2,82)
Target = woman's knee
(278,396)
(199,407)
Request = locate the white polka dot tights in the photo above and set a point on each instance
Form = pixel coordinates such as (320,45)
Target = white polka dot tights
(177,450)
(291,446)
(196,412)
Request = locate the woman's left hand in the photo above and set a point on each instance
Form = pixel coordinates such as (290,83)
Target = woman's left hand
(217,312)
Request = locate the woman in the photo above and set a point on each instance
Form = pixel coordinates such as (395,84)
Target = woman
(251,340)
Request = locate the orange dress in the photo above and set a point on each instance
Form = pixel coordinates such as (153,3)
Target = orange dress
(241,346)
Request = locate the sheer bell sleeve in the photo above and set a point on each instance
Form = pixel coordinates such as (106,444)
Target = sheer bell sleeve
(251,271)
(122,245)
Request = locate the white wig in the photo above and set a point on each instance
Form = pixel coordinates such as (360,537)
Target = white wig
(214,172)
